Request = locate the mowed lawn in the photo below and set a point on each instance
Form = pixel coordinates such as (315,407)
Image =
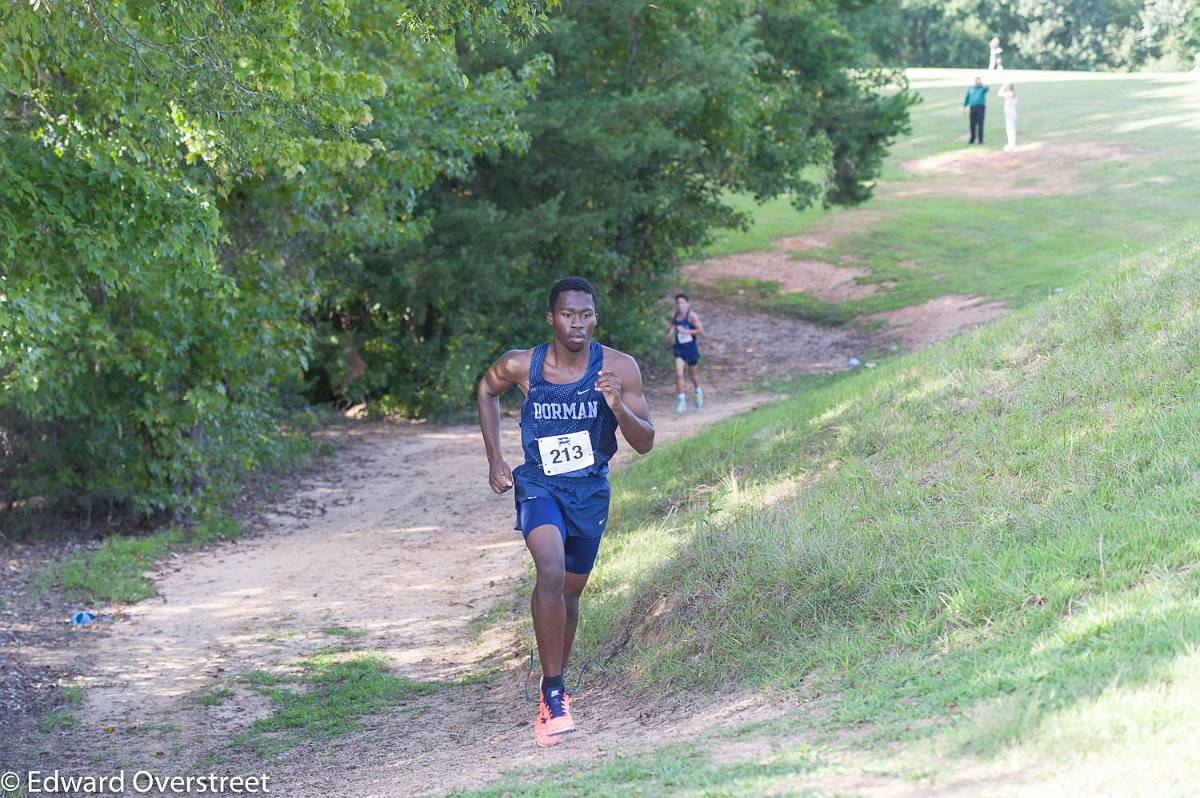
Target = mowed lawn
(1107,166)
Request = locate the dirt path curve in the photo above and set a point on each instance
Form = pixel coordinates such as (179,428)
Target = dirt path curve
(401,543)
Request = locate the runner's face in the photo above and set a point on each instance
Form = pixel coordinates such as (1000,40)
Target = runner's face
(573,319)
(681,305)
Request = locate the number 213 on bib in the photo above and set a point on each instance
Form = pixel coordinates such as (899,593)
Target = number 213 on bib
(563,453)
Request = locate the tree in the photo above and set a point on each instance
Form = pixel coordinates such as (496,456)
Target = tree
(150,326)
(654,111)
(1037,34)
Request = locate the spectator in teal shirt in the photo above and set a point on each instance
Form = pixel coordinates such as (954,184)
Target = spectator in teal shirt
(976,101)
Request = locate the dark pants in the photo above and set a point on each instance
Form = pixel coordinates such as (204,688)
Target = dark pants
(977,122)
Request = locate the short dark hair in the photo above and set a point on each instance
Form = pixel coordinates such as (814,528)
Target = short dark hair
(570,284)
(683,297)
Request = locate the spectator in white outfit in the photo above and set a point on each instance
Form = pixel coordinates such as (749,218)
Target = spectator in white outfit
(994,57)
(1009,93)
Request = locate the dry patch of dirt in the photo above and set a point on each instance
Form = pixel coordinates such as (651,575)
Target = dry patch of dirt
(740,346)
(920,325)
(823,280)
(833,229)
(1037,169)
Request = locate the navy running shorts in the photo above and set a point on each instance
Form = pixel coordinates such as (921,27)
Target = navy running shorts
(578,507)
(689,353)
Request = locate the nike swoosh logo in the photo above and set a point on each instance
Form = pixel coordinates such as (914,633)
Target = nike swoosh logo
(602,520)
(581,393)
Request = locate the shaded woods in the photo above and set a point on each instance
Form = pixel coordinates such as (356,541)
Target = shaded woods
(212,219)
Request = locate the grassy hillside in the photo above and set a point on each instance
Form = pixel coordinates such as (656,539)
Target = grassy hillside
(1106,167)
(992,482)
(989,546)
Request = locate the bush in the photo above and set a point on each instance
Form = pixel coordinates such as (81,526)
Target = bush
(138,372)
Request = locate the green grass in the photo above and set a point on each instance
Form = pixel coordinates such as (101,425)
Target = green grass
(342,631)
(771,220)
(513,608)
(114,572)
(214,697)
(327,698)
(988,545)
(684,769)
(57,720)
(275,637)
(765,295)
(154,728)
(263,679)
(1019,249)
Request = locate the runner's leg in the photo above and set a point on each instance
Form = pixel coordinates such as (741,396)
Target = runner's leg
(693,377)
(574,586)
(547,603)
(680,400)
(548,606)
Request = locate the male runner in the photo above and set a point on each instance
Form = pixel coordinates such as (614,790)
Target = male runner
(577,393)
(685,326)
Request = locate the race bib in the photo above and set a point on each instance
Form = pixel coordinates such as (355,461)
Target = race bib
(563,453)
(684,338)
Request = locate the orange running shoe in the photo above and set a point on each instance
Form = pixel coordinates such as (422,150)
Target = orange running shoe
(566,699)
(553,719)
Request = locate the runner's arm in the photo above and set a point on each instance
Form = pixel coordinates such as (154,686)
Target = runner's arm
(694,320)
(500,376)
(621,385)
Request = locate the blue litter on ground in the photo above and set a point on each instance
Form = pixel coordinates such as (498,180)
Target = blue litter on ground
(854,362)
(82,618)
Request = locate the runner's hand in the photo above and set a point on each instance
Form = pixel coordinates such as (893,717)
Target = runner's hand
(500,477)
(609,384)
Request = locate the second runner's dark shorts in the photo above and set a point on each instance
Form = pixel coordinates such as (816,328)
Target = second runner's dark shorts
(689,353)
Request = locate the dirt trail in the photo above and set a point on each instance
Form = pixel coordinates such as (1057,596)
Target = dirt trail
(401,542)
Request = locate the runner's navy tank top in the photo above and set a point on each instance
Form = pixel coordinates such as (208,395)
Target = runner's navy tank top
(554,409)
(686,324)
